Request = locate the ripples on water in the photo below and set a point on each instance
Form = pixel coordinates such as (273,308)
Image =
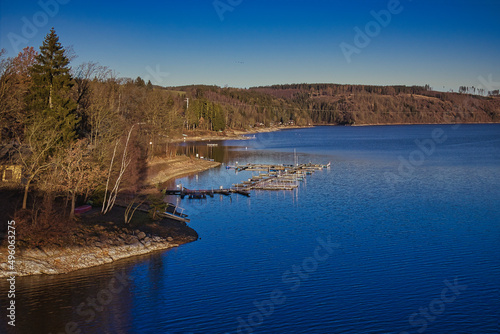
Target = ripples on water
(398,243)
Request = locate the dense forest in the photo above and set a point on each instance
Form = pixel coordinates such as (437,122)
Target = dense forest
(360,104)
(314,104)
(80,131)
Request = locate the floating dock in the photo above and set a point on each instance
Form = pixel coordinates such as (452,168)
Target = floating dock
(276,177)
(201,194)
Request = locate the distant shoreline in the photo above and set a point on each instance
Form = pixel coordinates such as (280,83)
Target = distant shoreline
(242,134)
(237,134)
(385,124)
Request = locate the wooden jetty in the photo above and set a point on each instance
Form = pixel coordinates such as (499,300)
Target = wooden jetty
(274,168)
(202,194)
(278,177)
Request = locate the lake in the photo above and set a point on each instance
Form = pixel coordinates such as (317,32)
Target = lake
(401,235)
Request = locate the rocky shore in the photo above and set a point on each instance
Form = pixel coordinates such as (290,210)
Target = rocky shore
(98,244)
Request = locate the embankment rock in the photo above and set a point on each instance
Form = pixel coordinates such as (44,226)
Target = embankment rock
(59,260)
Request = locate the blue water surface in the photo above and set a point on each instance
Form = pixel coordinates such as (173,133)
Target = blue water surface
(400,235)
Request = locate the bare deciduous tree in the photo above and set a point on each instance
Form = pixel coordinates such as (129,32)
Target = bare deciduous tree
(79,174)
(109,200)
(40,140)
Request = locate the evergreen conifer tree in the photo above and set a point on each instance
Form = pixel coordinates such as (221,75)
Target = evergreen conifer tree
(139,82)
(50,94)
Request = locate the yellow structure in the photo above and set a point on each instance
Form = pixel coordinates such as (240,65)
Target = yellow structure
(10,173)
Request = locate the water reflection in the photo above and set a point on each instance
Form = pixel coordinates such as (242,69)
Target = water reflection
(242,151)
(94,300)
(208,150)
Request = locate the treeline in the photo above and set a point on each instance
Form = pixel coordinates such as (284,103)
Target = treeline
(331,89)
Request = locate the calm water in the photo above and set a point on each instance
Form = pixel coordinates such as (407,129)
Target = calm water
(401,235)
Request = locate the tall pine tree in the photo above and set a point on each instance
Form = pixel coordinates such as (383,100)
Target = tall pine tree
(50,95)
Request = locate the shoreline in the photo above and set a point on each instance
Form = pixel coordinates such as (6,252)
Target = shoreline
(56,261)
(96,242)
(237,134)
(243,134)
(386,124)
(118,244)
(162,170)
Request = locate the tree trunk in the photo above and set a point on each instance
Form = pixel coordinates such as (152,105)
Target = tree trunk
(26,190)
(50,97)
(104,209)
(73,201)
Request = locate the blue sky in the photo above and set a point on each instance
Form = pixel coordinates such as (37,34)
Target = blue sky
(445,44)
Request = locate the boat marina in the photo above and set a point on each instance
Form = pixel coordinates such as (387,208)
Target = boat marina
(274,177)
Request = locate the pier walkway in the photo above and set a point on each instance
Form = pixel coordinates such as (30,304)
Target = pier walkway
(276,177)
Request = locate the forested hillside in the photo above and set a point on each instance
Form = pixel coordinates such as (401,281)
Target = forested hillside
(215,108)
(360,104)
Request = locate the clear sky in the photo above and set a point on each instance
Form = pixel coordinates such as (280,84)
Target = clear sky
(243,43)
